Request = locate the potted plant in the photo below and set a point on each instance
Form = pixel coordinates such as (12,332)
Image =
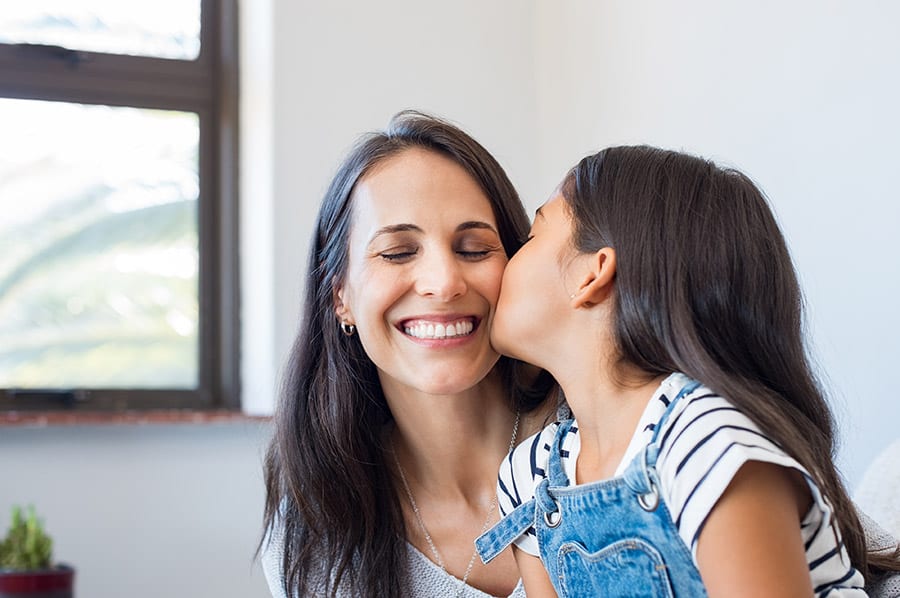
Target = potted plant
(26,565)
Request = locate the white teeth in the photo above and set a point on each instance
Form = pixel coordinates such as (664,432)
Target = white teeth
(439,330)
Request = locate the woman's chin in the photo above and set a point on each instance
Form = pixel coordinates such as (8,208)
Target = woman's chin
(455,380)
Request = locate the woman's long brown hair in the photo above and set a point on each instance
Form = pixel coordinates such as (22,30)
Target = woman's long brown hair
(705,286)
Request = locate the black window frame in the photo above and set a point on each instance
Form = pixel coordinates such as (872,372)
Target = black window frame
(207,86)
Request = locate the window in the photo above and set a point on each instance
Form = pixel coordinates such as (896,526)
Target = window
(118,215)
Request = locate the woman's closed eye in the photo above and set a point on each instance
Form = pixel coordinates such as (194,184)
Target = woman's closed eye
(473,255)
(398,255)
(475,252)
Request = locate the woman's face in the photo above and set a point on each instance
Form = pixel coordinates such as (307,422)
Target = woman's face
(537,288)
(424,271)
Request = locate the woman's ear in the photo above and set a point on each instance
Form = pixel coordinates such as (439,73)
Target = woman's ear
(597,284)
(341,309)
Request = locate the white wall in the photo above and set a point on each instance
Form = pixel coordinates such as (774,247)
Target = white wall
(803,96)
(144,511)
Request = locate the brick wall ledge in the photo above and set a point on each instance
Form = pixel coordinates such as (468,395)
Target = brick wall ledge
(42,419)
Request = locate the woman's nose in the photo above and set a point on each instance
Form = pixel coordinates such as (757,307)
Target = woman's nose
(441,276)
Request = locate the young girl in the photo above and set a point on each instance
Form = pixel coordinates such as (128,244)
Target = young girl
(657,289)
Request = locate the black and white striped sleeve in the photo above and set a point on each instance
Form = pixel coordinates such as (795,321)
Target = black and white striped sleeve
(702,446)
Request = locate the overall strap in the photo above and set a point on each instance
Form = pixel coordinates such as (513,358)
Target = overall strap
(556,473)
(504,532)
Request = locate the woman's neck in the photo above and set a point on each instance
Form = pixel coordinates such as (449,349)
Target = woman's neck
(448,450)
(452,444)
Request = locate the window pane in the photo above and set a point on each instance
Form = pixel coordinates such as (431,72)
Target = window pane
(98,246)
(161,28)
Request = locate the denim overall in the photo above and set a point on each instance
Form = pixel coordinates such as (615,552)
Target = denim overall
(612,538)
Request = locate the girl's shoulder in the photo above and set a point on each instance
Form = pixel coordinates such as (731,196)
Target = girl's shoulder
(704,431)
(696,417)
(701,446)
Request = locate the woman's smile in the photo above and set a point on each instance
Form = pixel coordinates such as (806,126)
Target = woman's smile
(440,328)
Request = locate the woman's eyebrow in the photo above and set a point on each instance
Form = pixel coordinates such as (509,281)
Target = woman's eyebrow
(401,228)
(395,228)
(476,224)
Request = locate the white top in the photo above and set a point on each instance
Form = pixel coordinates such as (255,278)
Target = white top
(702,445)
(426,579)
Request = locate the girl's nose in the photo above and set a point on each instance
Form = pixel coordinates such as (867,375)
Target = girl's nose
(441,276)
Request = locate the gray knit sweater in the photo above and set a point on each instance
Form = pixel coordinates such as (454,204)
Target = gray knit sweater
(425,578)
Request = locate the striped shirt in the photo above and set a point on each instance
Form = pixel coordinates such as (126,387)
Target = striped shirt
(702,444)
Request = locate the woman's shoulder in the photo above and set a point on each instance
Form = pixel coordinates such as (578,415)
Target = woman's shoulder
(271,559)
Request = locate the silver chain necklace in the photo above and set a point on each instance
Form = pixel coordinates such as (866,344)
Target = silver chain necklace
(415,508)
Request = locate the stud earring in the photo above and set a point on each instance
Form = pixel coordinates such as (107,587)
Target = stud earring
(348,329)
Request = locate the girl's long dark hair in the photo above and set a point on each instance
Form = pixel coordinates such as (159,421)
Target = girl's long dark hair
(329,487)
(705,286)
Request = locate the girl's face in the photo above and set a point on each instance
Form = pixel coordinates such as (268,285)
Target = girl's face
(537,288)
(424,271)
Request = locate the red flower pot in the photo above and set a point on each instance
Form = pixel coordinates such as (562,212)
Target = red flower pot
(57,582)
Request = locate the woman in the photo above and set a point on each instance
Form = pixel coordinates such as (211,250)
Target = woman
(396,411)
